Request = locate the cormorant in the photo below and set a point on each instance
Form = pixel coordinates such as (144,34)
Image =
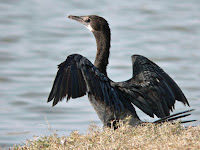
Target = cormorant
(150,89)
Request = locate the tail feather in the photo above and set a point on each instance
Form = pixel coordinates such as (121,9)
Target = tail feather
(176,116)
(187,121)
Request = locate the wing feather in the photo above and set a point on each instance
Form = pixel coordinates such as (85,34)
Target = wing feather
(151,89)
(77,76)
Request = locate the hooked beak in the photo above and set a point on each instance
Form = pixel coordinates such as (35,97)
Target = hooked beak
(83,20)
(77,18)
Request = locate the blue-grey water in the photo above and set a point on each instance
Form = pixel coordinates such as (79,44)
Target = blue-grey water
(36,35)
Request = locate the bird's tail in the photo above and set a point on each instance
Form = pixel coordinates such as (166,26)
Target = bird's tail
(175,117)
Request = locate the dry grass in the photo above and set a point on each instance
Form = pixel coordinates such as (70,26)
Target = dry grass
(148,136)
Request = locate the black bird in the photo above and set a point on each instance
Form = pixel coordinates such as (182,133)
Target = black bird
(150,89)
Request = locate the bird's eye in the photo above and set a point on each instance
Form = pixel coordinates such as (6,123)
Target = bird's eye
(87,20)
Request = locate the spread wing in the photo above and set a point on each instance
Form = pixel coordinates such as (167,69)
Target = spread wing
(151,89)
(76,77)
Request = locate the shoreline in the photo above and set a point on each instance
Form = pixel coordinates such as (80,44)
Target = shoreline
(146,136)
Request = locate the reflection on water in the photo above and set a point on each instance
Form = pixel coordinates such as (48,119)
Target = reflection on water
(36,36)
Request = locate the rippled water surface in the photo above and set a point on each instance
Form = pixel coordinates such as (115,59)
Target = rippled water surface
(36,36)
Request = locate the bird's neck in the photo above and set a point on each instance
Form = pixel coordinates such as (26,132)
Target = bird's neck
(103,50)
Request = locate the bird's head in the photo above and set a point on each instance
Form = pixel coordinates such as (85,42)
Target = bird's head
(93,23)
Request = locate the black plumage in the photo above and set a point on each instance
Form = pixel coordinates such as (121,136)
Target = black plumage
(150,89)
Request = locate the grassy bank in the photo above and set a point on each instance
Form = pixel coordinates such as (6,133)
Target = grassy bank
(148,136)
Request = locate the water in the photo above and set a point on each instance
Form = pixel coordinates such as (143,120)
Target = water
(36,36)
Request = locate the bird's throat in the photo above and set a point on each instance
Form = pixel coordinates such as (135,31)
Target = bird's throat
(103,50)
